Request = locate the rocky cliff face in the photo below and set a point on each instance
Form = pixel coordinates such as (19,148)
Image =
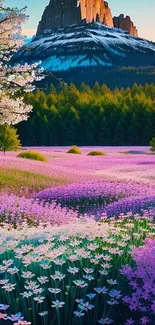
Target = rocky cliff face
(125,23)
(63,13)
(96,10)
(60,14)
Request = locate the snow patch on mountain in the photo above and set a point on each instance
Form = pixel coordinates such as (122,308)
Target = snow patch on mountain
(87,45)
(102,35)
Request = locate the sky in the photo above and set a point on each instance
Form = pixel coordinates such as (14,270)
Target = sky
(142,13)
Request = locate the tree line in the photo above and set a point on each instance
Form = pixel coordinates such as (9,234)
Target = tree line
(120,76)
(90,116)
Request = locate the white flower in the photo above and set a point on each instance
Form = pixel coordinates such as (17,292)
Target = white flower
(43,279)
(26,294)
(5,281)
(54,290)
(39,299)
(9,287)
(88,271)
(27,275)
(13,270)
(112,282)
(57,304)
(73,270)
(58,276)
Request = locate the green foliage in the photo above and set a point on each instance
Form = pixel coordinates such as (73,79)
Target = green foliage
(74,150)
(152,144)
(96,153)
(85,116)
(8,138)
(70,281)
(32,155)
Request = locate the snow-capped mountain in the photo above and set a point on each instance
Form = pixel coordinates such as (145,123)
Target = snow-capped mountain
(94,46)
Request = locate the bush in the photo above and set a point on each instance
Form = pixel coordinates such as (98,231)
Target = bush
(152,144)
(74,150)
(32,155)
(96,153)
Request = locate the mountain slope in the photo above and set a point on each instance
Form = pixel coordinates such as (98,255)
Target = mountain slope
(92,46)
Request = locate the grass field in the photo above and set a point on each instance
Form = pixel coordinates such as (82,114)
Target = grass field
(25,183)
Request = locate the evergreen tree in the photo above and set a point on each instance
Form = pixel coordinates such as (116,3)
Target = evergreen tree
(119,117)
(104,133)
(54,126)
(91,130)
(147,131)
(29,138)
(133,132)
(97,88)
(72,134)
(120,132)
(84,88)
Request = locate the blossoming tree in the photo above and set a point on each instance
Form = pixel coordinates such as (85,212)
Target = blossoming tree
(14,77)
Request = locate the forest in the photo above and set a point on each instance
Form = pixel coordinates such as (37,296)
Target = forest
(90,116)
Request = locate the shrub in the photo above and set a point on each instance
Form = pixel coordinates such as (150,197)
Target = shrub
(152,144)
(96,153)
(32,155)
(74,150)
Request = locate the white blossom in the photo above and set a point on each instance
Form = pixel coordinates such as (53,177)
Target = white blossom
(13,111)
(14,77)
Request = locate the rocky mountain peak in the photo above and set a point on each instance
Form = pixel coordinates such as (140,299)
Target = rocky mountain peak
(63,13)
(125,23)
(96,11)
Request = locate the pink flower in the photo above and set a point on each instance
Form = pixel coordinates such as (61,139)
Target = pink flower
(23,322)
(2,315)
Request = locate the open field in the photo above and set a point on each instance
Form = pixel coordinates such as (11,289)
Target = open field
(118,164)
(77,237)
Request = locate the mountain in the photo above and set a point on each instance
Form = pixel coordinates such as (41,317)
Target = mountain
(88,45)
(92,52)
(76,40)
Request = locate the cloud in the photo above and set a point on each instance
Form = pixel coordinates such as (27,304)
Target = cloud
(29,32)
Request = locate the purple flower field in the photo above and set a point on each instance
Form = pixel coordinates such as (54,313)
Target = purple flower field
(80,250)
(116,165)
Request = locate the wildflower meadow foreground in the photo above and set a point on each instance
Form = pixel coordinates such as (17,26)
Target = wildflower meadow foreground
(77,238)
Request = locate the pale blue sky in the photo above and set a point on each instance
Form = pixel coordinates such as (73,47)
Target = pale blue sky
(142,13)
